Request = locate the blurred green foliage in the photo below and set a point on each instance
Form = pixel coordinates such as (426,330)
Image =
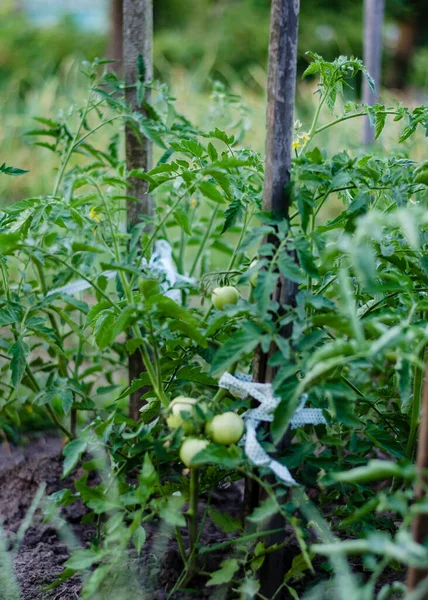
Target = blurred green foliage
(228,37)
(29,54)
(223,39)
(233,35)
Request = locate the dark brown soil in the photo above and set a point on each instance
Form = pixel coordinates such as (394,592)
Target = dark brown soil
(43,549)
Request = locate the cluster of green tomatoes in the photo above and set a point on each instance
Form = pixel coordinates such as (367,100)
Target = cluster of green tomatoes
(226,428)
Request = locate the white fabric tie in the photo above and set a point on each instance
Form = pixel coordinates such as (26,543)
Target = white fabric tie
(160,264)
(242,385)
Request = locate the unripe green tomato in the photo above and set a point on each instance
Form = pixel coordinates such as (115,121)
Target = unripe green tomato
(209,429)
(222,296)
(182,405)
(421,173)
(225,429)
(254,276)
(253,279)
(190,447)
(422,176)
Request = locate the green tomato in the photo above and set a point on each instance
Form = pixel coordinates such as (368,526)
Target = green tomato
(226,428)
(181,410)
(421,173)
(190,447)
(253,279)
(422,177)
(254,276)
(222,296)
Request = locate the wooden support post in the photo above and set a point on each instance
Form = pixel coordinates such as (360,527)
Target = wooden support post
(373,21)
(279,138)
(137,42)
(115,49)
(420,522)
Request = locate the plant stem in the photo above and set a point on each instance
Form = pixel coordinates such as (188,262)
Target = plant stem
(193,513)
(247,220)
(204,240)
(166,217)
(71,147)
(239,540)
(347,117)
(312,130)
(180,545)
(416,407)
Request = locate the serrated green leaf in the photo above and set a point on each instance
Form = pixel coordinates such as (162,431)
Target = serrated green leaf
(103,329)
(264,290)
(139,538)
(289,268)
(240,343)
(67,399)
(267,508)
(210,191)
(232,214)
(14,171)
(18,351)
(72,453)
(182,219)
(81,560)
(223,520)
(225,573)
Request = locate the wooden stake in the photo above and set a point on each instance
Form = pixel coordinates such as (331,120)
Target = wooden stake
(115,49)
(420,522)
(279,138)
(373,21)
(137,42)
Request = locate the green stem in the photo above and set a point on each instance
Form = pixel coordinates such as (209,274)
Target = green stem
(84,137)
(347,117)
(239,540)
(416,407)
(241,237)
(71,147)
(312,130)
(76,272)
(193,511)
(204,240)
(180,543)
(166,217)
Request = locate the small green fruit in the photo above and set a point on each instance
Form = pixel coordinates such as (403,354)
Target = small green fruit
(254,276)
(226,428)
(421,173)
(222,296)
(253,279)
(190,447)
(181,410)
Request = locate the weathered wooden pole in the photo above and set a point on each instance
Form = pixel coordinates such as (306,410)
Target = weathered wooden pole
(115,49)
(420,522)
(137,52)
(279,138)
(373,21)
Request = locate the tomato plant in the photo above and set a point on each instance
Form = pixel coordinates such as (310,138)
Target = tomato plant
(80,293)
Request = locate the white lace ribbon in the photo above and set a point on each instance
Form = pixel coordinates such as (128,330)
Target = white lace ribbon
(160,263)
(242,385)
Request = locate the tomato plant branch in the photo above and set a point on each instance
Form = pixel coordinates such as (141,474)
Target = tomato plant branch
(204,240)
(416,406)
(71,147)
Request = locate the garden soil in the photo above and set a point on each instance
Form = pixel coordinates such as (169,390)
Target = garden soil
(43,549)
